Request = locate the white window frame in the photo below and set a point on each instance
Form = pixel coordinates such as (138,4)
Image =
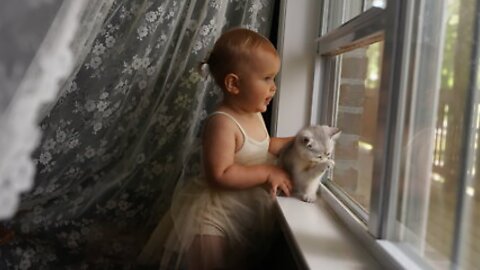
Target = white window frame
(397,25)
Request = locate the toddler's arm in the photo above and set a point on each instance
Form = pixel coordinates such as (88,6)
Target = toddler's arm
(219,146)
(277,144)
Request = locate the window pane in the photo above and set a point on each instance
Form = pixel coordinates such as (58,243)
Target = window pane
(470,244)
(433,139)
(341,11)
(374,3)
(356,115)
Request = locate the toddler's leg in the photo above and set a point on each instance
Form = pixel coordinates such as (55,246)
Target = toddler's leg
(207,252)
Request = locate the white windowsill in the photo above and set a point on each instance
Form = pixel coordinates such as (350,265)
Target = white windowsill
(318,239)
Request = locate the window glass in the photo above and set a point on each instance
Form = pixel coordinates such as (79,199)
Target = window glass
(341,11)
(464,16)
(356,115)
(470,243)
(432,151)
(374,3)
(437,116)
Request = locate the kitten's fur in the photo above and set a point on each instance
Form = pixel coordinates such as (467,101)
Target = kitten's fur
(307,158)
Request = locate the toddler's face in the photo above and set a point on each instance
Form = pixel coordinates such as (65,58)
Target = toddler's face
(257,85)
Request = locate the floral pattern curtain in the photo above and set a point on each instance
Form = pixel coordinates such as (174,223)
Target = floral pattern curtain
(122,132)
(35,36)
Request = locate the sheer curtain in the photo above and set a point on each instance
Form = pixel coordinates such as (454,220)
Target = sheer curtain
(122,130)
(36,36)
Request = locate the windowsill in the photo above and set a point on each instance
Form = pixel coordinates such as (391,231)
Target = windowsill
(318,239)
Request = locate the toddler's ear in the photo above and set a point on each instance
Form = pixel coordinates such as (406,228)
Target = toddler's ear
(231,83)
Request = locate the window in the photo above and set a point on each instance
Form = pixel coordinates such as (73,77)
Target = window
(350,61)
(401,79)
(356,112)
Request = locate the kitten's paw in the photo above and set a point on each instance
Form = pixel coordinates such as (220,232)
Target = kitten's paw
(330,163)
(309,197)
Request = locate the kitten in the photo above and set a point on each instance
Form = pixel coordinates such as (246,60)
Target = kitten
(308,157)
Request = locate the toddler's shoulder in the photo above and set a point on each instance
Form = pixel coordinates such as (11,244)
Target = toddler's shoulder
(219,121)
(219,125)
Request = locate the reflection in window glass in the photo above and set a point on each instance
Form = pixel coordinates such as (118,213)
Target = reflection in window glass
(432,151)
(470,245)
(356,116)
(374,3)
(341,11)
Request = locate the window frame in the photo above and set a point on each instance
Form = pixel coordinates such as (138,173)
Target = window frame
(377,228)
(366,28)
(360,31)
(398,26)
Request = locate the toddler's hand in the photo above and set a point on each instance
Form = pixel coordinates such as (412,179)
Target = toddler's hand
(279,179)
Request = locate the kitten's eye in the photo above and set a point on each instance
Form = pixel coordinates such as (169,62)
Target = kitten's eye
(307,143)
(328,154)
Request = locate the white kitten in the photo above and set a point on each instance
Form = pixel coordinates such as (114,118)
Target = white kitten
(308,157)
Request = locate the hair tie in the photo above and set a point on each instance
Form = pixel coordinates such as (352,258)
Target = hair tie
(204,69)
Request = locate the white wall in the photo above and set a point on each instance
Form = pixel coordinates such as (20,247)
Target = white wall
(298,27)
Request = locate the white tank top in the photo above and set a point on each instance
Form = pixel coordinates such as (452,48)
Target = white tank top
(252,151)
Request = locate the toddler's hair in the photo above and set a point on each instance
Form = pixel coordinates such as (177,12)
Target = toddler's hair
(233,48)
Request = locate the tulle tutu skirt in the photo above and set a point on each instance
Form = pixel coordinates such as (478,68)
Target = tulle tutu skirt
(244,218)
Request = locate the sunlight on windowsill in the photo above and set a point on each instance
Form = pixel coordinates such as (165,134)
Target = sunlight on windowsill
(319,239)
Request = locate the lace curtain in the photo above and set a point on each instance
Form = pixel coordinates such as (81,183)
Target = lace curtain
(123,129)
(36,36)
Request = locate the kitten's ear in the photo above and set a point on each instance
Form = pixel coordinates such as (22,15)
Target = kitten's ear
(335,133)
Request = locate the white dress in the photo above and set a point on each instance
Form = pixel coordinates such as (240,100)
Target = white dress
(244,217)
